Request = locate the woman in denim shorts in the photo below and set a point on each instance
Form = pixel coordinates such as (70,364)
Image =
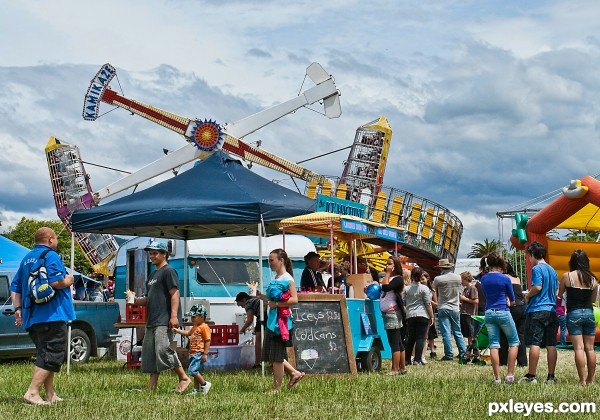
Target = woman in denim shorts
(582,289)
(498,291)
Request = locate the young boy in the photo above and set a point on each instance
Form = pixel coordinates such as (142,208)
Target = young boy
(199,336)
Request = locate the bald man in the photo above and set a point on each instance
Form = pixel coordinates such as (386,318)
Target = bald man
(46,322)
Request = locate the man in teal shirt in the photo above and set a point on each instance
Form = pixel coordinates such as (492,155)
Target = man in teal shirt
(541,325)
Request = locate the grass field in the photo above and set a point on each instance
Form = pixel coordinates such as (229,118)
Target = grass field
(439,390)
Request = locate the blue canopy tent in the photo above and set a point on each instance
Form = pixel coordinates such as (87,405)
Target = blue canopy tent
(217,197)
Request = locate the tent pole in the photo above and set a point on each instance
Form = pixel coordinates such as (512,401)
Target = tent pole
(262,291)
(355,256)
(332,248)
(69,323)
(186,274)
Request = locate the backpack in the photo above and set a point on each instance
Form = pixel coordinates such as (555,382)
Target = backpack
(40,290)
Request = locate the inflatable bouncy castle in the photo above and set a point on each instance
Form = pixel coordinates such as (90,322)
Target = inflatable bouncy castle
(578,208)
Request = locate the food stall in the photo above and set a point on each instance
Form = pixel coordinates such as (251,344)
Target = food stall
(369,342)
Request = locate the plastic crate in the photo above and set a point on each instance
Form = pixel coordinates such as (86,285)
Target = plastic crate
(134,358)
(135,314)
(224,335)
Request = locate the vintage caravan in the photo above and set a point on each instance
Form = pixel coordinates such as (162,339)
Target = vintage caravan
(215,270)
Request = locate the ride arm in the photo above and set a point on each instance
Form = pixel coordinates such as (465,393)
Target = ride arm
(189,153)
(325,90)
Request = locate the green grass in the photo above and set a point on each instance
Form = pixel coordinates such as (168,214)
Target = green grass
(439,390)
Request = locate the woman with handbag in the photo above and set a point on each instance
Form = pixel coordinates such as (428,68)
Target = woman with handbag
(393,312)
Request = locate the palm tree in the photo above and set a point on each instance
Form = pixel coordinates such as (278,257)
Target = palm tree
(479,250)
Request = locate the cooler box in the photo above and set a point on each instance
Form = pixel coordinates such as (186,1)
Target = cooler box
(230,357)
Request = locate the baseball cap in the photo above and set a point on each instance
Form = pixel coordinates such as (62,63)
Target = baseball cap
(156,245)
(197,310)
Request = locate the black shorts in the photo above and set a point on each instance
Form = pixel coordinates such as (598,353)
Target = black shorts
(541,328)
(50,339)
(395,339)
(466,326)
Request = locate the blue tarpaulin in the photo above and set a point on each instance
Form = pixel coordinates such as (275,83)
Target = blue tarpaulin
(217,197)
(11,254)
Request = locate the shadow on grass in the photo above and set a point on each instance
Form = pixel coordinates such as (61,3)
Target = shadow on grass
(17,399)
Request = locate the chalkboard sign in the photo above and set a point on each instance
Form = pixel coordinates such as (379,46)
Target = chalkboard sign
(322,339)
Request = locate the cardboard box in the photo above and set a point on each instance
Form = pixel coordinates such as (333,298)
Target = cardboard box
(359,282)
(123,347)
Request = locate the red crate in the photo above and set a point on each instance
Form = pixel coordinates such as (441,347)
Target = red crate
(133,361)
(224,335)
(135,314)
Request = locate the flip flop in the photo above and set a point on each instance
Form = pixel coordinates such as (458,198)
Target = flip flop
(295,380)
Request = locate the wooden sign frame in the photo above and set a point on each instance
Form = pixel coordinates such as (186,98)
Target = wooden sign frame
(322,297)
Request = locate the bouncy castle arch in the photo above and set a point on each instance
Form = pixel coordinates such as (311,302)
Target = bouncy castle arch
(577,208)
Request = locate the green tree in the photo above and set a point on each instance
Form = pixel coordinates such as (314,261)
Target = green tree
(479,249)
(582,236)
(24,232)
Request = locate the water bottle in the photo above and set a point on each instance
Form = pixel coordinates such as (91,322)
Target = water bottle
(343,288)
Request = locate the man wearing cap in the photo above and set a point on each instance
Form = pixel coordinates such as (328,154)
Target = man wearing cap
(311,277)
(252,307)
(163,315)
(448,287)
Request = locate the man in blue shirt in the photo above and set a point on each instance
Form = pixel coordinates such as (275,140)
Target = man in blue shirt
(541,324)
(46,323)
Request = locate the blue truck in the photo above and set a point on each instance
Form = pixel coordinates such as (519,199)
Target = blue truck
(93,327)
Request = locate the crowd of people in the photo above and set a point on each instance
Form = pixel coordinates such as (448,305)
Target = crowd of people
(495,300)
(407,302)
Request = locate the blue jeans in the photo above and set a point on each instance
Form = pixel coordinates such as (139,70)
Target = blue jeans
(581,322)
(449,322)
(500,320)
(562,323)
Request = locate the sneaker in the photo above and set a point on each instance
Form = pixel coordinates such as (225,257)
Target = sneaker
(528,380)
(447,358)
(497,381)
(509,379)
(432,355)
(206,387)
(551,380)
(417,363)
(194,392)
(423,361)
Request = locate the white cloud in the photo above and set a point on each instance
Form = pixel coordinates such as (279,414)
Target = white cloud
(491,103)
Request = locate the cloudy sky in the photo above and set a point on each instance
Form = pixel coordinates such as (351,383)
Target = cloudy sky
(491,103)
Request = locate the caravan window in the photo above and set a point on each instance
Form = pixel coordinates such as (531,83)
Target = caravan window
(228,271)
